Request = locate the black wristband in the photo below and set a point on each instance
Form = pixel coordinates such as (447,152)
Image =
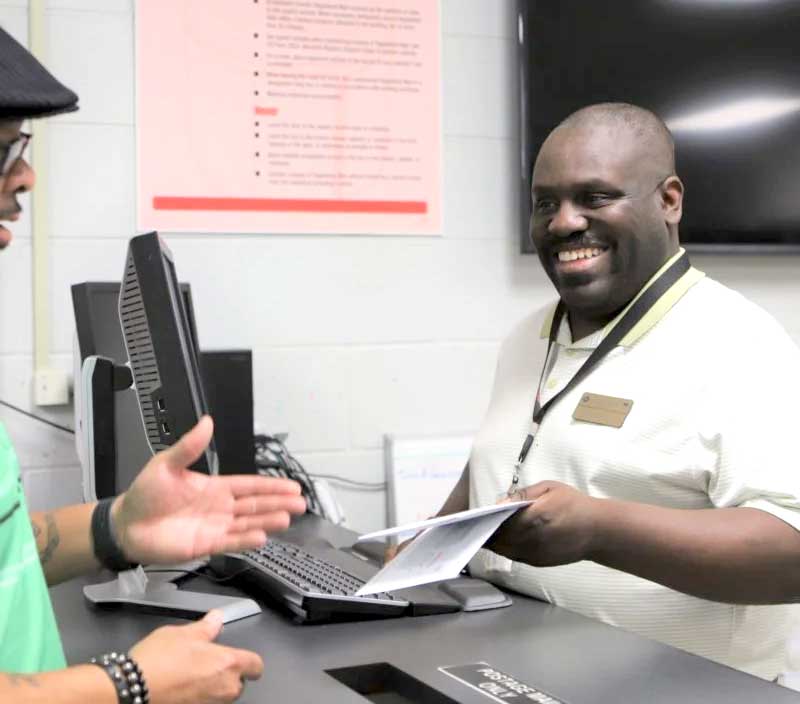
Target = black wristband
(106,548)
(126,676)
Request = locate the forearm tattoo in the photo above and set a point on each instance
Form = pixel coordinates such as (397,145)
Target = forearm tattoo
(19,680)
(53,538)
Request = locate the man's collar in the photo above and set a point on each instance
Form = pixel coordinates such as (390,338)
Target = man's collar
(658,311)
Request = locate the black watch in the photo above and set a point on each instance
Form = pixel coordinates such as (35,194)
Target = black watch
(106,547)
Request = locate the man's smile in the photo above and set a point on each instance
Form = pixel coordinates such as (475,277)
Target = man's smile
(579,259)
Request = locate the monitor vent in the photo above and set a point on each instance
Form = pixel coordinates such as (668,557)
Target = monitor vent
(140,351)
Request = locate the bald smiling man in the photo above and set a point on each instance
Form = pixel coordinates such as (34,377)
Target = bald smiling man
(662,459)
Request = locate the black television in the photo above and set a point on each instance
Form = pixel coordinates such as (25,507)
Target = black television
(724,76)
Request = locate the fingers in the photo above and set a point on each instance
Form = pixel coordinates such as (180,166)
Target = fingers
(393,551)
(529,493)
(535,491)
(389,553)
(191,445)
(249,664)
(208,627)
(250,532)
(265,514)
(246,540)
(271,523)
(249,484)
(256,505)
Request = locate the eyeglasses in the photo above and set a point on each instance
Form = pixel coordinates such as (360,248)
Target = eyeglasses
(9,153)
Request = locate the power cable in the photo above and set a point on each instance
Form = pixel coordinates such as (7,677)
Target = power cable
(35,417)
(365,486)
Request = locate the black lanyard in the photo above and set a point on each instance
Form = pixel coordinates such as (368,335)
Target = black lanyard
(634,314)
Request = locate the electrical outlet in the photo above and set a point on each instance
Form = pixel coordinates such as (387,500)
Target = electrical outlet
(51,387)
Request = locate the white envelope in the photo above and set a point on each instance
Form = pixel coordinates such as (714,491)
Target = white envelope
(441,550)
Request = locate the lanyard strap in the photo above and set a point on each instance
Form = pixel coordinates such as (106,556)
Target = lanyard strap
(634,314)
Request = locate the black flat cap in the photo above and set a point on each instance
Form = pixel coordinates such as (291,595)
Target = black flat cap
(27,89)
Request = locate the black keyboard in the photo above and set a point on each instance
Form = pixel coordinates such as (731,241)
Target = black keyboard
(312,588)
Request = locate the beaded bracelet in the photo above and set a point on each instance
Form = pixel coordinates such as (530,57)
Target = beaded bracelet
(126,676)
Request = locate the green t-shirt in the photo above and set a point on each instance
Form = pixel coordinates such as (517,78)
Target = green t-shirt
(29,640)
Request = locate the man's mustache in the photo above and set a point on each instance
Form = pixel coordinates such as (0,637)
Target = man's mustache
(6,213)
(582,241)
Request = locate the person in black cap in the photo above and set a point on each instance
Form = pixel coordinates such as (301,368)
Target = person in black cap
(169,514)
(26,90)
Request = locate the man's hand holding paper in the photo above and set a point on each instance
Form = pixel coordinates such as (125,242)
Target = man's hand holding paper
(545,524)
(557,527)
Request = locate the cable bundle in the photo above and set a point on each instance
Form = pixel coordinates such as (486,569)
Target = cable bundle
(274,460)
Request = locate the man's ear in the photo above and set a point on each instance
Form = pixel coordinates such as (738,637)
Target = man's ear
(672,200)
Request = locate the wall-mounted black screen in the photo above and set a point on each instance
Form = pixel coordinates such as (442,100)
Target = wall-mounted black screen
(722,73)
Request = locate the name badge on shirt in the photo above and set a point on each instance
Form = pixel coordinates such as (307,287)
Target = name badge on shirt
(603,410)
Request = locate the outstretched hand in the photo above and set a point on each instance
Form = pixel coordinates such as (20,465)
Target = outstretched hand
(173,514)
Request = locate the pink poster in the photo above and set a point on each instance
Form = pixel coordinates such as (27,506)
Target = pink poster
(289,116)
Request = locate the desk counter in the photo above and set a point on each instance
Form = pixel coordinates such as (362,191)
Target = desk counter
(576,659)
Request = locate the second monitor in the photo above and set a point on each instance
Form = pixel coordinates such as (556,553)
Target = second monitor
(226,378)
(161,351)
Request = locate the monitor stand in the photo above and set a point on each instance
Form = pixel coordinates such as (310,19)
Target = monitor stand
(134,588)
(100,380)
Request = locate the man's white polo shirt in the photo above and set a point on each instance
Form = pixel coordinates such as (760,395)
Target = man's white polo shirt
(715,384)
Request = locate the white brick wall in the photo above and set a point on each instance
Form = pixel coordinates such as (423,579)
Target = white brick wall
(353,337)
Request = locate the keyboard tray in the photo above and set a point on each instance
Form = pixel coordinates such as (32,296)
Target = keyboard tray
(312,588)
